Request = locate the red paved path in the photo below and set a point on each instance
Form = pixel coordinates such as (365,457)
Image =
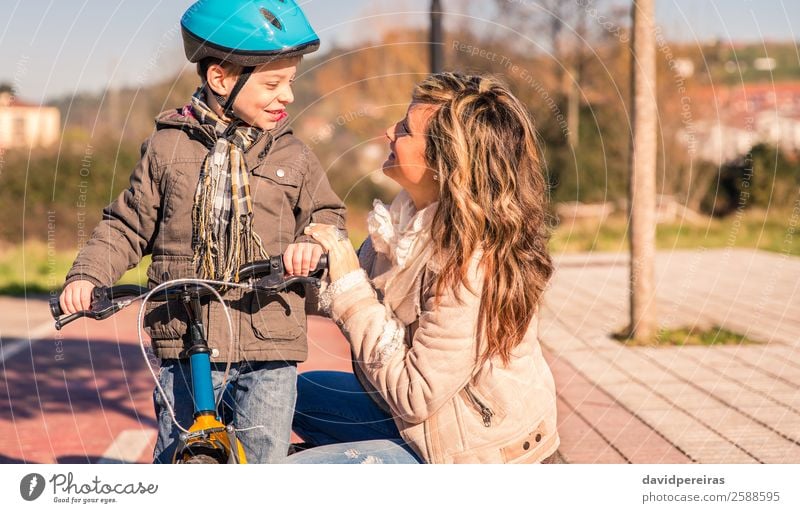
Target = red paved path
(68,406)
(69,410)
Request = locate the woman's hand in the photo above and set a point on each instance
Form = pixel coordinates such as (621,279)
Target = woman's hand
(342,258)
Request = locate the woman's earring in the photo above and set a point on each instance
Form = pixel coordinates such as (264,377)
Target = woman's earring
(435,177)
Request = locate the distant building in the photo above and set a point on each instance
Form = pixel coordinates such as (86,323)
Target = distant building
(764,64)
(24,125)
(684,67)
(742,116)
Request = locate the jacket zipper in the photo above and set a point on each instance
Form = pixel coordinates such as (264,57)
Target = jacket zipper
(435,451)
(267,146)
(486,412)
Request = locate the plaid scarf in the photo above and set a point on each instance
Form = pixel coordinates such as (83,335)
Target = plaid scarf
(222,217)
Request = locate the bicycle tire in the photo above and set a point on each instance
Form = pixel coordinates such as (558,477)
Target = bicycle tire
(201,459)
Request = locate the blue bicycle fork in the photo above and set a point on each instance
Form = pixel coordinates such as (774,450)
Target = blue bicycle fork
(208,437)
(200,363)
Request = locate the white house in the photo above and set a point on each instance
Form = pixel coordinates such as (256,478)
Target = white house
(23,125)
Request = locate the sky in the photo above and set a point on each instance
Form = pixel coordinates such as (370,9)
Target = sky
(57,48)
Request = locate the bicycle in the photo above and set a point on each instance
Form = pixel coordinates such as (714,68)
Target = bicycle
(208,440)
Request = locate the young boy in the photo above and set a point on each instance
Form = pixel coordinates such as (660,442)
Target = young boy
(223,182)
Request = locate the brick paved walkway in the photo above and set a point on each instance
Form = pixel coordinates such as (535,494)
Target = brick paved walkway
(616,404)
(681,404)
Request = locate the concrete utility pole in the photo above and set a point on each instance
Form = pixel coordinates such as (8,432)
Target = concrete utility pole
(642,192)
(437,37)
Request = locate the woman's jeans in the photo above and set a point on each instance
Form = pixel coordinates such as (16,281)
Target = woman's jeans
(337,418)
(259,394)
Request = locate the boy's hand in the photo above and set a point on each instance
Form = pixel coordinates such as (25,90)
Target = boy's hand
(300,258)
(77,296)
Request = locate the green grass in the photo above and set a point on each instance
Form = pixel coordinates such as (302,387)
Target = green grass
(696,336)
(754,230)
(33,269)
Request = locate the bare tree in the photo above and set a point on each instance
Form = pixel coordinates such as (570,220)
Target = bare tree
(565,27)
(642,192)
(437,37)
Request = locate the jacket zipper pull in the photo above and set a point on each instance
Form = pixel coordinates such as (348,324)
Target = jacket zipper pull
(486,413)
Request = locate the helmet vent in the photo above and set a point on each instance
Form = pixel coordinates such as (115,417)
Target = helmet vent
(272,18)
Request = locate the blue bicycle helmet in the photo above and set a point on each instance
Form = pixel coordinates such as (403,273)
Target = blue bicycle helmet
(247,33)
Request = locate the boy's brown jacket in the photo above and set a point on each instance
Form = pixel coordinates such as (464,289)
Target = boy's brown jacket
(154,216)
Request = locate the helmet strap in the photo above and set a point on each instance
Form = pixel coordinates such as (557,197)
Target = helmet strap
(227,107)
(220,99)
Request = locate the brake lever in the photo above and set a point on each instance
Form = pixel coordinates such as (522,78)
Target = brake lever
(102,308)
(100,300)
(269,286)
(63,321)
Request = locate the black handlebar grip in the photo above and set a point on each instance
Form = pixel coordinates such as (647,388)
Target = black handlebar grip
(55,308)
(322,264)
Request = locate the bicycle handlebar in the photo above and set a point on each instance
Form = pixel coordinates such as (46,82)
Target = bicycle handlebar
(262,275)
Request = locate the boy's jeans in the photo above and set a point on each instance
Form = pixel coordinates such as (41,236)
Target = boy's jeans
(263,393)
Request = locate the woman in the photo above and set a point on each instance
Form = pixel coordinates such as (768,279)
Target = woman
(440,305)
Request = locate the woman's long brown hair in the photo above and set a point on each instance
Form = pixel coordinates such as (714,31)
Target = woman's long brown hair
(481,142)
